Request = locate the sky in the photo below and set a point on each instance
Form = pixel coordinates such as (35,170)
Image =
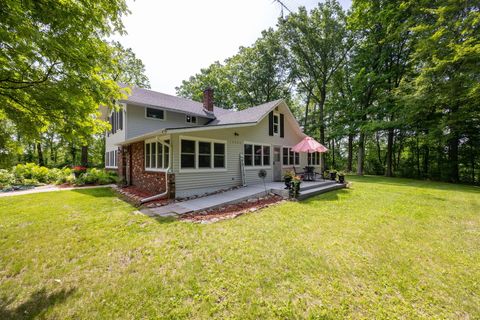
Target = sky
(176,38)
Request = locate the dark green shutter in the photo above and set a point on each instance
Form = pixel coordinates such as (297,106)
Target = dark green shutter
(282,125)
(270,123)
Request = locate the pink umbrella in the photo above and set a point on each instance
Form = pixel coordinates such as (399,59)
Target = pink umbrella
(308,144)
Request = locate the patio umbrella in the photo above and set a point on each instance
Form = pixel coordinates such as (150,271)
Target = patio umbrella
(308,145)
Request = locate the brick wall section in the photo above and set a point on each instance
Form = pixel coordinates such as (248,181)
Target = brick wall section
(151,182)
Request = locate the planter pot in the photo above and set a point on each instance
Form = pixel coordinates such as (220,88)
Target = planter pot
(288,181)
(333,176)
(341,179)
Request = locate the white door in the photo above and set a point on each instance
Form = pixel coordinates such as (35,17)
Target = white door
(277,164)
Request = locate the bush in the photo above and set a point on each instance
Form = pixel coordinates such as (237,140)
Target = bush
(96,176)
(7,179)
(33,174)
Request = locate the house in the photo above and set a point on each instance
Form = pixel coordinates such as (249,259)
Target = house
(175,147)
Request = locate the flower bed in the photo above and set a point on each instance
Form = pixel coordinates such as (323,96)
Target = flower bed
(232,211)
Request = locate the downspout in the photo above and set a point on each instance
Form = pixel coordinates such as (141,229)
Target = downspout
(160,195)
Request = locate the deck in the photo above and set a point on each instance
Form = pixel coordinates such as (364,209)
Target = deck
(308,189)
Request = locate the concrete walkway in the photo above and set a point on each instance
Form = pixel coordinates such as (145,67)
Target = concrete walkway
(49,188)
(221,199)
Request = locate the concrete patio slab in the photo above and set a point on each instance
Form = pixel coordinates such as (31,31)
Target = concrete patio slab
(226,198)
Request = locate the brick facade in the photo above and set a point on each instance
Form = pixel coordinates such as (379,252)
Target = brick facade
(151,182)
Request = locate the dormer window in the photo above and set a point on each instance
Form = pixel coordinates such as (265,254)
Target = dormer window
(156,114)
(190,119)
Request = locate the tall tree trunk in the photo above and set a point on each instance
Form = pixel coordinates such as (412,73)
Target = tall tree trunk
(361,153)
(323,94)
(379,150)
(333,153)
(426,160)
(73,153)
(40,154)
(453,157)
(350,152)
(417,147)
(84,158)
(305,121)
(389,160)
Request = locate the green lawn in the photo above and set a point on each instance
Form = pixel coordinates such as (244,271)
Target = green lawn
(386,248)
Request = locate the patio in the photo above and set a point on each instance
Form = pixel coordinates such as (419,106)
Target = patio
(308,189)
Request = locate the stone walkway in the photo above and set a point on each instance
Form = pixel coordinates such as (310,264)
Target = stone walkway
(220,199)
(49,188)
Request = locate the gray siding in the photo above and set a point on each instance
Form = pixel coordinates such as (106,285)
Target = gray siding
(138,125)
(199,182)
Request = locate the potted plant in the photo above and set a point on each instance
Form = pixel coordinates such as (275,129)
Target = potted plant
(333,174)
(287,178)
(295,186)
(326,174)
(78,170)
(341,177)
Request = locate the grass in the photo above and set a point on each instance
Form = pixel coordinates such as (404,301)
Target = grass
(386,248)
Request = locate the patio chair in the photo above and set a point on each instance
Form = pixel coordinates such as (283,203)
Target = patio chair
(298,173)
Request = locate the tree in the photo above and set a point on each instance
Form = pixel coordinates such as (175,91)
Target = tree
(55,63)
(128,69)
(318,42)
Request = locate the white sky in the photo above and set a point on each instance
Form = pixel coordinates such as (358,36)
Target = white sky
(175,38)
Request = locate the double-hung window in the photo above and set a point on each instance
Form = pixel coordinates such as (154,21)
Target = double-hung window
(200,154)
(111,159)
(276,124)
(313,159)
(157,155)
(256,155)
(289,157)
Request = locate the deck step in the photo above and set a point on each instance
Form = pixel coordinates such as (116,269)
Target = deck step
(318,184)
(304,194)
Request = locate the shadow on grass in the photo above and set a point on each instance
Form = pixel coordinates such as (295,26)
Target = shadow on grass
(37,303)
(328,196)
(422,184)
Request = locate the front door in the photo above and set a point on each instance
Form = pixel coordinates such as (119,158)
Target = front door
(277,163)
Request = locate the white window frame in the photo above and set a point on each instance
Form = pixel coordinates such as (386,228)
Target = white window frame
(253,166)
(276,115)
(160,141)
(313,156)
(111,159)
(150,118)
(187,117)
(212,155)
(289,165)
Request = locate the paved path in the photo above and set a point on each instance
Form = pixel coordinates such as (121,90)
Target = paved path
(48,188)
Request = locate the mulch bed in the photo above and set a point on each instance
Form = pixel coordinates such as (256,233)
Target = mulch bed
(231,211)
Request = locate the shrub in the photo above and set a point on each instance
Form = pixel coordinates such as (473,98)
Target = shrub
(96,176)
(32,172)
(6,179)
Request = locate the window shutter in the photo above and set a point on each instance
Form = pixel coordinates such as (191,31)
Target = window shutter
(270,123)
(121,118)
(282,122)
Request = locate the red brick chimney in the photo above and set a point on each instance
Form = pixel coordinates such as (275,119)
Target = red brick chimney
(208,99)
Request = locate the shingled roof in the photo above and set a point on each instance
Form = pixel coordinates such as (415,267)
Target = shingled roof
(151,98)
